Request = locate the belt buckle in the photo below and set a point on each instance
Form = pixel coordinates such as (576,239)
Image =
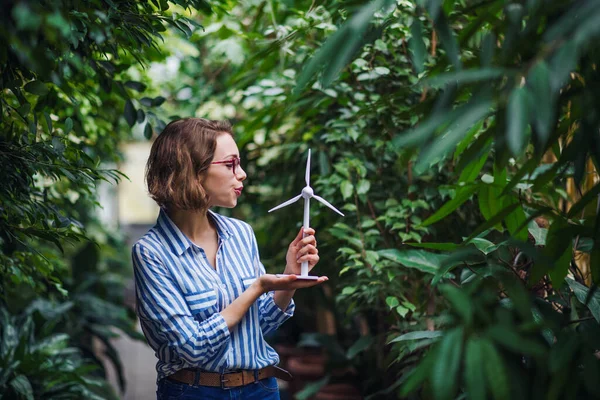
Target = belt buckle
(222,380)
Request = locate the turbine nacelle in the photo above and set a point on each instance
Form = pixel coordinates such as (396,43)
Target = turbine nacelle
(307,192)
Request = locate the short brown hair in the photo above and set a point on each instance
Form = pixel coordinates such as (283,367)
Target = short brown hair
(178,160)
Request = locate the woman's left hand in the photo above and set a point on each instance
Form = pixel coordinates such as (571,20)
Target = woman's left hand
(302,249)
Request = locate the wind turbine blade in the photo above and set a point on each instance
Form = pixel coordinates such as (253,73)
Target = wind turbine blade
(287,203)
(307,177)
(322,200)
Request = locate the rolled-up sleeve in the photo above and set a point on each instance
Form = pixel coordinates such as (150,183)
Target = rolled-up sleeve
(165,316)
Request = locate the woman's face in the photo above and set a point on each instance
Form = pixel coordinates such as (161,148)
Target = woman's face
(220,183)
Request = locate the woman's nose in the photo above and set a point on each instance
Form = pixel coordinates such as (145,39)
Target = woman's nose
(240,174)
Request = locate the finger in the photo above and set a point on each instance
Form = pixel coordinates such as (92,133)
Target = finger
(309,231)
(311,258)
(309,249)
(298,237)
(311,239)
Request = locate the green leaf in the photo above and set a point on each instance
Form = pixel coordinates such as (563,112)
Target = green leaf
(461,303)
(435,246)
(363,343)
(130,113)
(448,40)
(466,76)
(484,245)
(146,101)
(140,116)
(462,195)
(363,186)
(560,269)
(343,44)
(539,234)
(581,292)
(21,385)
(474,369)
(25,18)
(148,131)
(158,101)
(417,335)
(347,189)
(510,339)
(68,125)
(516,220)
(543,98)
(470,173)
(416,45)
(595,265)
(489,201)
(416,377)
(517,114)
(137,86)
(36,87)
(493,221)
(392,301)
(444,374)
(472,113)
(495,371)
(417,259)
(48,122)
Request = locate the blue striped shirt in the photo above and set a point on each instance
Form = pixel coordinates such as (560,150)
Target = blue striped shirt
(179,297)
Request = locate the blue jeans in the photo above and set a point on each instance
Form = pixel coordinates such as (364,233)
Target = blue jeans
(265,389)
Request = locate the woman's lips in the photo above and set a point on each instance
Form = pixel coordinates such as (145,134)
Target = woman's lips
(238,191)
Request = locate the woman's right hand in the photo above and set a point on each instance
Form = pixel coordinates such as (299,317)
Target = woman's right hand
(270,282)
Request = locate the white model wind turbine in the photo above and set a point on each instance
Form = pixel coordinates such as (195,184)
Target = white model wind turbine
(307,193)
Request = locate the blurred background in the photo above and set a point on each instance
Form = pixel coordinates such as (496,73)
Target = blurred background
(460,138)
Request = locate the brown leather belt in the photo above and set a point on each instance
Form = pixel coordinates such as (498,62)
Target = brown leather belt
(229,379)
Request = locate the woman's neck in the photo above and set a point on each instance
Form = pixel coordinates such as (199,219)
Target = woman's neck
(194,224)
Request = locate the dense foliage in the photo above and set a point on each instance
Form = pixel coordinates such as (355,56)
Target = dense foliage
(461,140)
(66,101)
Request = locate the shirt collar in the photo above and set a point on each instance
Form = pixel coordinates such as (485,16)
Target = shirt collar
(177,241)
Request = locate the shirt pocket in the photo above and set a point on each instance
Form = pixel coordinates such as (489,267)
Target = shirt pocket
(202,304)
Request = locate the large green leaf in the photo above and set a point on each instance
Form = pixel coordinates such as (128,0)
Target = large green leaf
(474,369)
(517,115)
(581,292)
(462,195)
(460,301)
(543,98)
(512,340)
(417,335)
(363,343)
(444,374)
(472,113)
(22,387)
(466,76)
(495,371)
(418,259)
(416,45)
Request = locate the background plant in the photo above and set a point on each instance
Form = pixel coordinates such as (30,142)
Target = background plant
(67,99)
(462,130)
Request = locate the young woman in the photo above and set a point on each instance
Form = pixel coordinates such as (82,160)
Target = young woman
(203,298)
